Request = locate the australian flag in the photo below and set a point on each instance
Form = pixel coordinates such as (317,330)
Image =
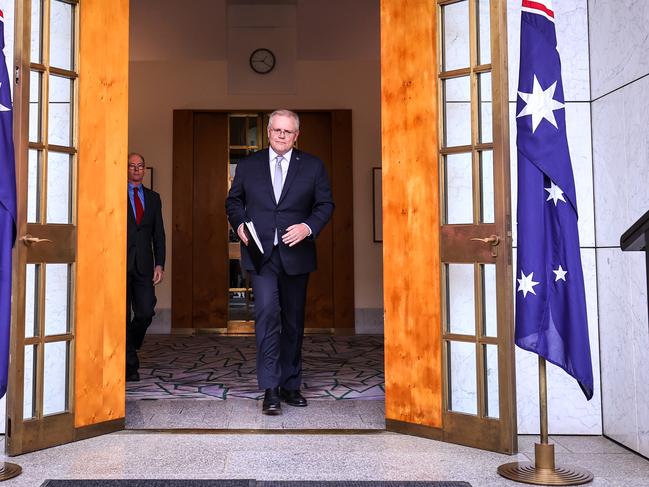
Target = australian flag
(550,301)
(7,209)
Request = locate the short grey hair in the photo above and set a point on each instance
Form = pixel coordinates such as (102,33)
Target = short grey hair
(131,154)
(285,113)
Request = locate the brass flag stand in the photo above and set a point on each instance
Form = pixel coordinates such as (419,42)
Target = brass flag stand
(543,471)
(9,471)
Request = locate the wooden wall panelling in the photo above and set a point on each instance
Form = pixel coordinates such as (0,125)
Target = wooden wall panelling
(315,138)
(101,218)
(210,227)
(182,220)
(342,181)
(409,120)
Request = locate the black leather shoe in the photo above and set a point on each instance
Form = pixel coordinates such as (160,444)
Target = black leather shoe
(133,376)
(272,405)
(292,397)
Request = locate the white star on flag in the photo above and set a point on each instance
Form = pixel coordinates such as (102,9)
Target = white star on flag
(2,107)
(559,274)
(526,284)
(540,104)
(554,193)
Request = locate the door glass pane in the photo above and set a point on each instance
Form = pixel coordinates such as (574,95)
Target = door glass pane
(455,21)
(460,299)
(60,111)
(489,300)
(29,382)
(57,298)
(484,32)
(487,205)
(458,188)
(55,379)
(33,186)
(491,381)
(31,299)
(252,132)
(61,31)
(237,131)
(462,383)
(35,106)
(58,188)
(241,304)
(36,31)
(457,111)
(484,95)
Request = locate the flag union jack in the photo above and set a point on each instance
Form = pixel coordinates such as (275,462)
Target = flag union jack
(551,315)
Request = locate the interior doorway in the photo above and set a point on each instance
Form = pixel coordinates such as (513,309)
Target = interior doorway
(419,95)
(210,292)
(210,352)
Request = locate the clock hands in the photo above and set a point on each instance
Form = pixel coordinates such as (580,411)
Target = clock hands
(262,61)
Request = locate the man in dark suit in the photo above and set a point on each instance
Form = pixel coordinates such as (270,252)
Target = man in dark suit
(285,193)
(145,259)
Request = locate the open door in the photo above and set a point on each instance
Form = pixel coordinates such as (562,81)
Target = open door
(70,128)
(449,348)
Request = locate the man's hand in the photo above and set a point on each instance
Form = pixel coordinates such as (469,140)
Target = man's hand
(295,234)
(158,274)
(242,235)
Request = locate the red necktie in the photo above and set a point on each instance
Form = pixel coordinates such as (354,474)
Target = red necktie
(139,210)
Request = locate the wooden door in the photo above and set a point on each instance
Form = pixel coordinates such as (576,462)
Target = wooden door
(449,350)
(66,378)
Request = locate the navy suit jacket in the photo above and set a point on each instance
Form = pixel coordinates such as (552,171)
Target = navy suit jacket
(306,198)
(146,241)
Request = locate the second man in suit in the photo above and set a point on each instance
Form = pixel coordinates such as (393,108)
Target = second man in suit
(145,258)
(286,194)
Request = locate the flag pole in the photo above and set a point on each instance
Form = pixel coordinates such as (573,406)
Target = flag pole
(544,471)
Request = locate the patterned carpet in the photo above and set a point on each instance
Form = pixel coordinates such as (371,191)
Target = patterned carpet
(221,367)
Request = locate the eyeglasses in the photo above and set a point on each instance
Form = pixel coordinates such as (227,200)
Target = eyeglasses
(283,132)
(136,167)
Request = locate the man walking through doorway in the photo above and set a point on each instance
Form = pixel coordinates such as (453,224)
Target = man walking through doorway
(286,194)
(145,258)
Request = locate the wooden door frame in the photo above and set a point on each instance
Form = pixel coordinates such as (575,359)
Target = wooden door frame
(97,380)
(416,400)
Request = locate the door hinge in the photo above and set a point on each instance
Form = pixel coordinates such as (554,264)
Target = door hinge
(17,72)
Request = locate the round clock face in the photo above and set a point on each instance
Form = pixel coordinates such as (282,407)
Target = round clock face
(262,60)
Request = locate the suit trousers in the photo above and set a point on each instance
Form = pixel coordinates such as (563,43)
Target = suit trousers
(140,298)
(280,301)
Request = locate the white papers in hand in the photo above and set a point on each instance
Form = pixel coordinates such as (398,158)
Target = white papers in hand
(253,234)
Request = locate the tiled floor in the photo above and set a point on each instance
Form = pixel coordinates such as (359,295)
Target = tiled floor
(223,367)
(369,456)
(246,414)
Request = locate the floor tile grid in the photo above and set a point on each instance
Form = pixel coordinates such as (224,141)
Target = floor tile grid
(222,367)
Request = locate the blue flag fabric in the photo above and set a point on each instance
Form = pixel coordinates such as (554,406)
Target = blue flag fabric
(550,300)
(7,210)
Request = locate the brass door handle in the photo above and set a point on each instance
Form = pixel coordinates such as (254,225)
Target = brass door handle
(492,240)
(29,240)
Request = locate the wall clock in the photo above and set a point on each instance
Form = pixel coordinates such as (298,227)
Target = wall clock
(262,60)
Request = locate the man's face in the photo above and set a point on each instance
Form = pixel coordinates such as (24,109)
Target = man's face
(135,170)
(282,134)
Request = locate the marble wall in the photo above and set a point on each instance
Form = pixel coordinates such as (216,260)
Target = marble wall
(619,40)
